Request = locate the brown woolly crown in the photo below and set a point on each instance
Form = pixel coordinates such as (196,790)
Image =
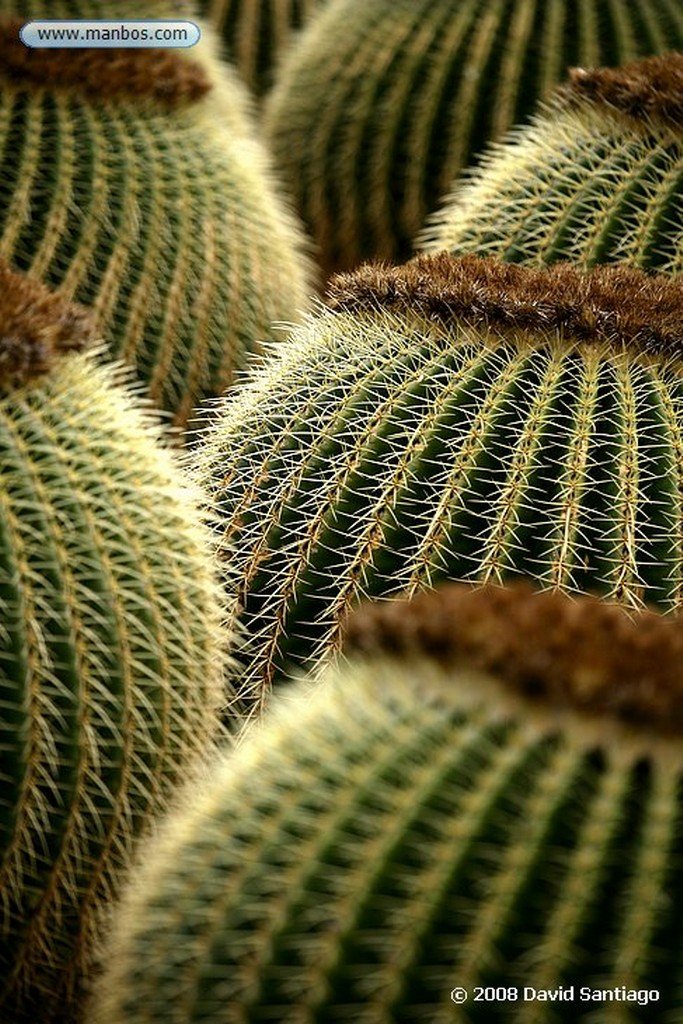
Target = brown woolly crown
(650,89)
(582,653)
(616,304)
(36,326)
(158,75)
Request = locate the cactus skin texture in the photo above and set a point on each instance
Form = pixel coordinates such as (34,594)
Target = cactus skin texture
(111,648)
(414,89)
(257,33)
(157,210)
(415,825)
(453,419)
(597,177)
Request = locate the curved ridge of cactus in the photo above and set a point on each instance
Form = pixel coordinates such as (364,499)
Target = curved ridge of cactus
(157,210)
(455,418)
(597,177)
(111,643)
(257,33)
(414,90)
(421,823)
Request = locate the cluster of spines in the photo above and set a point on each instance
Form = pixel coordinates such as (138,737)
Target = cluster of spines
(111,644)
(596,178)
(415,825)
(390,445)
(413,92)
(163,221)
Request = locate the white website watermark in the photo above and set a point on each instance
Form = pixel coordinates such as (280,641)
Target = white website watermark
(105,34)
(561,994)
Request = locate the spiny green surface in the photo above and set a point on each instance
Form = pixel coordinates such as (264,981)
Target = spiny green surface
(414,89)
(386,840)
(257,33)
(585,184)
(166,223)
(379,452)
(110,666)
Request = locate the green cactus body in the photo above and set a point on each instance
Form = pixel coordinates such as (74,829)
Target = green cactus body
(413,91)
(154,209)
(410,828)
(110,647)
(452,419)
(596,178)
(257,33)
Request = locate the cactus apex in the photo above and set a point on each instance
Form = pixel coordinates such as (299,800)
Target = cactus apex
(647,89)
(578,652)
(36,326)
(162,76)
(614,304)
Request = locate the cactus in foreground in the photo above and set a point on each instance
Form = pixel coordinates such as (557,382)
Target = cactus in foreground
(257,33)
(125,184)
(455,418)
(596,178)
(489,796)
(414,89)
(110,644)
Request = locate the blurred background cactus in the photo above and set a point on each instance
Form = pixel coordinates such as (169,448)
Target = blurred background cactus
(596,178)
(111,643)
(455,418)
(257,33)
(380,105)
(125,183)
(419,824)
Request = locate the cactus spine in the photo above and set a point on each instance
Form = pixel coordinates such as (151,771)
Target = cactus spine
(126,185)
(413,91)
(258,32)
(111,650)
(451,419)
(417,824)
(596,178)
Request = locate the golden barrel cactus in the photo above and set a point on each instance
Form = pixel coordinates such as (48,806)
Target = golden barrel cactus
(477,819)
(111,643)
(132,181)
(380,105)
(597,177)
(455,418)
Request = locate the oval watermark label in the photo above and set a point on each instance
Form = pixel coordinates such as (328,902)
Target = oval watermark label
(104,34)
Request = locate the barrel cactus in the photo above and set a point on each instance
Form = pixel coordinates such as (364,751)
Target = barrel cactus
(596,178)
(486,799)
(414,89)
(134,184)
(257,33)
(454,418)
(111,646)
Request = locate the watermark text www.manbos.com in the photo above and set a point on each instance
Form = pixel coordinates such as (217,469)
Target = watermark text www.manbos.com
(561,994)
(105,34)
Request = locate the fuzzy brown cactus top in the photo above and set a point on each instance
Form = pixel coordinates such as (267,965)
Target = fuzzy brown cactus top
(649,88)
(614,304)
(36,325)
(582,653)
